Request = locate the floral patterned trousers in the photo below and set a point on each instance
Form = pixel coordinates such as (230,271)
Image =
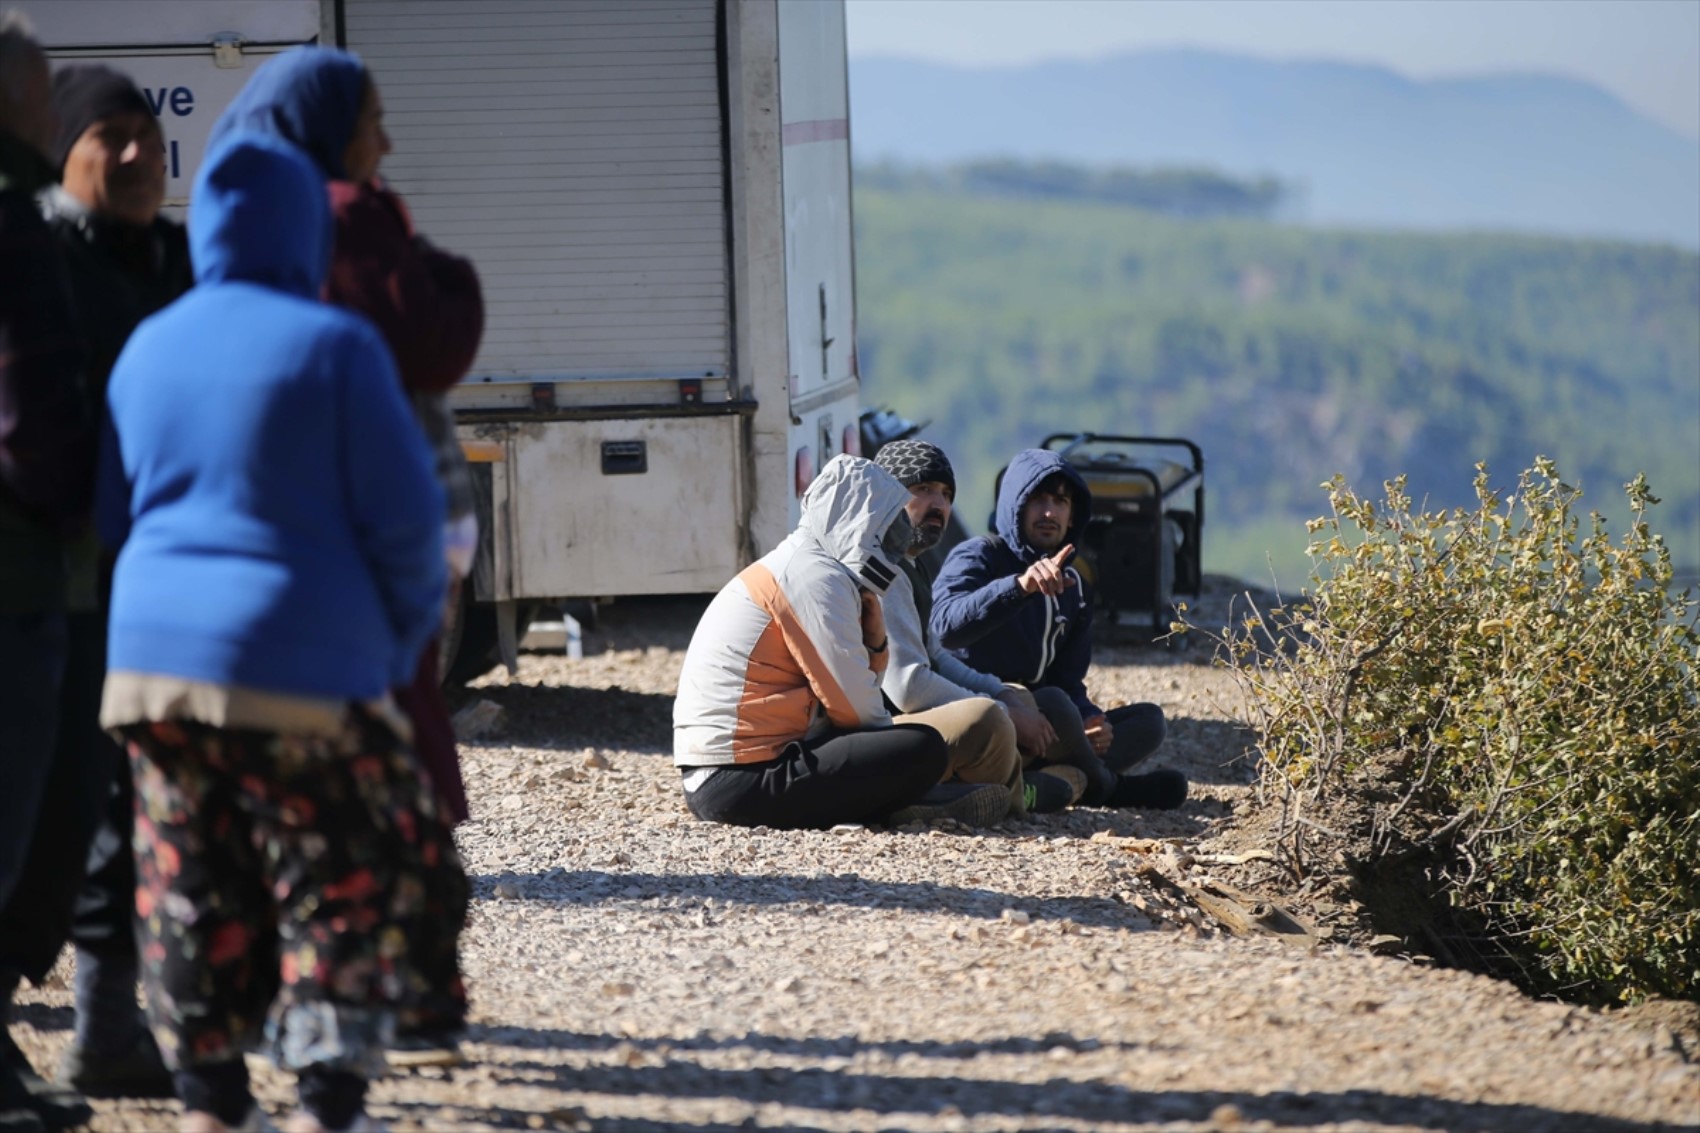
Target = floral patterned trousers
(291,888)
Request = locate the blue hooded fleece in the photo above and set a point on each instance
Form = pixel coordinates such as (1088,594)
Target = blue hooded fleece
(980,613)
(280,520)
(307,95)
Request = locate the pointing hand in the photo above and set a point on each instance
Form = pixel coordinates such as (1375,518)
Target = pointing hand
(1048,575)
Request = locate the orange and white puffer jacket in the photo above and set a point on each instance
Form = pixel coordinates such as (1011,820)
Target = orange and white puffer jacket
(778,655)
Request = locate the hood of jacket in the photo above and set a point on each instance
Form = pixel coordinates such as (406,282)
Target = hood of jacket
(1030,468)
(848,510)
(259,214)
(309,96)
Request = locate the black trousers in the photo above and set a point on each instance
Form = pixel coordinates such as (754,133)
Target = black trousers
(814,784)
(104,917)
(36,918)
(1138,730)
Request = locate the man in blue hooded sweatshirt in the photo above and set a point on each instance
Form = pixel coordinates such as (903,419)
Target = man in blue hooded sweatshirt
(1010,605)
(281,569)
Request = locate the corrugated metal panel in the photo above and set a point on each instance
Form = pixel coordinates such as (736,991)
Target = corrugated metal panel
(573,151)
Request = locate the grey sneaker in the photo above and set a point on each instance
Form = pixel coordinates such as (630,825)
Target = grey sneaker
(972,804)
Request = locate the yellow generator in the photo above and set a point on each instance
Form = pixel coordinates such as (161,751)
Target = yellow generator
(1144,542)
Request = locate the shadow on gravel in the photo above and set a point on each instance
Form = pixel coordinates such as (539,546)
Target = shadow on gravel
(690,892)
(567,718)
(843,1046)
(1059,1099)
(1200,746)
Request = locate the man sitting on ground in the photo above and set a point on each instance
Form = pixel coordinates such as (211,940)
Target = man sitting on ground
(1010,605)
(985,723)
(779,720)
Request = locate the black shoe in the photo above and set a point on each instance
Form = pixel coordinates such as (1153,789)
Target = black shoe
(136,1072)
(972,804)
(1053,788)
(1100,780)
(1154,790)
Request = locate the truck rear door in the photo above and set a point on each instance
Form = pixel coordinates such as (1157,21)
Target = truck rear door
(576,153)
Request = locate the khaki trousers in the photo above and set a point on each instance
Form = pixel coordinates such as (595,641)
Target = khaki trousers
(981,741)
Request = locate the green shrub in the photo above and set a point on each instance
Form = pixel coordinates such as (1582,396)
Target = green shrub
(1526,698)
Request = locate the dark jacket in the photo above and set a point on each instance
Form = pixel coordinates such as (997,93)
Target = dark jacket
(980,613)
(47,419)
(120,274)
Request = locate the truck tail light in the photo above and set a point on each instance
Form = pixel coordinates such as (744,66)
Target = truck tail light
(805,470)
(853,440)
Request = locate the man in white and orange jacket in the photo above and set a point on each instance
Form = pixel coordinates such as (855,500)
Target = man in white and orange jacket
(779,719)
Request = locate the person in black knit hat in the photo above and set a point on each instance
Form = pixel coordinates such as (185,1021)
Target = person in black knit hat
(47,462)
(85,96)
(126,262)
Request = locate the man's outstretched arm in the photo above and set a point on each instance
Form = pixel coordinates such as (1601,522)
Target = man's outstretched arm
(973,594)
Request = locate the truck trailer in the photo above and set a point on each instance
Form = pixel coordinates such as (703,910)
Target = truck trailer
(656,194)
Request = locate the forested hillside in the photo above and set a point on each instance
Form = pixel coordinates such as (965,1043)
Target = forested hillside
(1290,354)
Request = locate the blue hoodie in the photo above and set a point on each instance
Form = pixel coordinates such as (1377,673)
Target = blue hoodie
(307,95)
(980,613)
(280,520)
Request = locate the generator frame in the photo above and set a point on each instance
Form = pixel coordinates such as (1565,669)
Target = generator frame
(1144,543)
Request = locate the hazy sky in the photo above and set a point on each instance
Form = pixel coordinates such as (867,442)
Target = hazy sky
(1647,52)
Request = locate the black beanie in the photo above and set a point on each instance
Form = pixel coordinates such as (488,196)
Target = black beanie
(83,96)
(916,462)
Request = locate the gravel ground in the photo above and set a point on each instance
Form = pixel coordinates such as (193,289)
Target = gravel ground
(633,969)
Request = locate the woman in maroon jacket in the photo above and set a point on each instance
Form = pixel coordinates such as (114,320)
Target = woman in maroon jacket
(430,310)
(428,305)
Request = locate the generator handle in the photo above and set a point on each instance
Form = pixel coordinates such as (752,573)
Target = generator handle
(1075,440)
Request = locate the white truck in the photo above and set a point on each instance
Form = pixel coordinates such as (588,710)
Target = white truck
(656,194)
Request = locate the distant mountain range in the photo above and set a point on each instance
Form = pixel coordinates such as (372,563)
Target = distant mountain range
(1368,146)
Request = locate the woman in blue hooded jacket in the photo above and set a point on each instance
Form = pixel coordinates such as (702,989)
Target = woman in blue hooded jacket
(281,568)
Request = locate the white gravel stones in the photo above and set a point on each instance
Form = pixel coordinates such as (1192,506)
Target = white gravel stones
(633,969)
